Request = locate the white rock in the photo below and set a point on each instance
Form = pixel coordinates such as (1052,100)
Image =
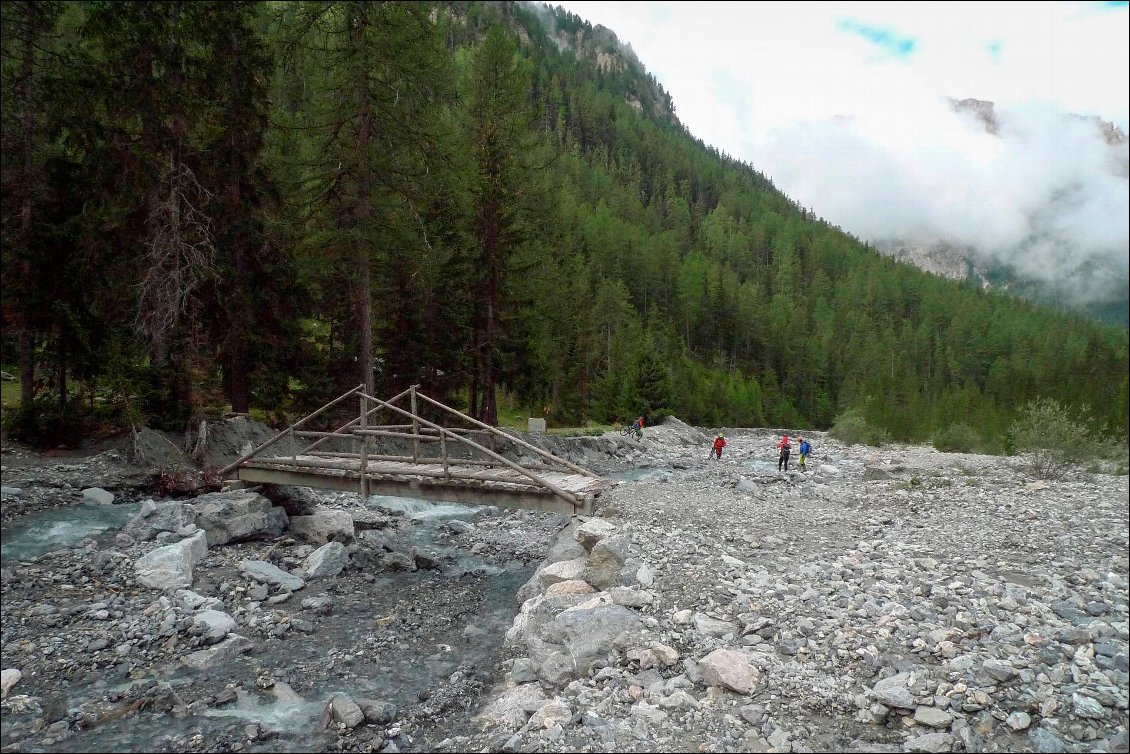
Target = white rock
(9,677)
(98,495)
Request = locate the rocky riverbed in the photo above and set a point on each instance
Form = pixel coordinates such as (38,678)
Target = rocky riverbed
(894,599)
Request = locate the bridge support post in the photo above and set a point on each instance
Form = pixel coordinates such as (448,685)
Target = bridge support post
(364,421)
(415,428)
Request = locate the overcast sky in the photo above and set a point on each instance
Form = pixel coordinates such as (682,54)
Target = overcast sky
(844,106)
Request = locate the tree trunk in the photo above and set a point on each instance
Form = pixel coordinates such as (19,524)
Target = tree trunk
(238,382)
(492,256)
(61,374)
(365,320)
(27,206)
(364,213)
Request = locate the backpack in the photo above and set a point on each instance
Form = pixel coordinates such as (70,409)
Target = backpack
(806,447)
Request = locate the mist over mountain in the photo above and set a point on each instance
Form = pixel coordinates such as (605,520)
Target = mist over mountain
(1033,200)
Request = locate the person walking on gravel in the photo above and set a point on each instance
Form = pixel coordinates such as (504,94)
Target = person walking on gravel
(716,448)
(786,449)
(805,449)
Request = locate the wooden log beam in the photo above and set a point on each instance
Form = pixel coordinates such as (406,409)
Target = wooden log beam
(566,495)
(519,441)
(288,430)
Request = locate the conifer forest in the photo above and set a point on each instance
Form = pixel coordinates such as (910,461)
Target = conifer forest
(256,206)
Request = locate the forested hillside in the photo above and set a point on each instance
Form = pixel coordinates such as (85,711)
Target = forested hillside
(242,204)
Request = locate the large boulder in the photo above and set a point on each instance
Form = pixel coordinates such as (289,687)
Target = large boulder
(588,630)
(565,570)
(219,655)
(296,501)
(267,573)
(346,711)
(894,692)
(324,525)
(9,677)
(512,708)
(237,516)
(170,567)
(606,559)
(154,518)
(592,531)
(729,668)
(327,561)
(214,625)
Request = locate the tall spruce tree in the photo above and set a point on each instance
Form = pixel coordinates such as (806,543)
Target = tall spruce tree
(26,28)
(504,149)
(378,71)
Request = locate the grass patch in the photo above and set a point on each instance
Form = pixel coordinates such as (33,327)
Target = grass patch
(10,393)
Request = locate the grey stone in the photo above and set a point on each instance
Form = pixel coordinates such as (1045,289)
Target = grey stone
(154,518)
(999,670)
(1085,706)
(1018,721)
(1046,742)
(218,655)
(932,717)
(98,495)
(377,711)
(729,668)
(931,742)
(708,626)
(346,711)
(522,671)
(564,570)
(170,567)
(605,560)
(238,516)
(324,525)
(327,561)
(513,707)
(893,692)
(593,531)
(216,624)
(264,572)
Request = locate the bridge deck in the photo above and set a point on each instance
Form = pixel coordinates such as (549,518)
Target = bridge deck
(476,485)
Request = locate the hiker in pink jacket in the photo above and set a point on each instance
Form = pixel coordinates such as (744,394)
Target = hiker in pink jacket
(786,449)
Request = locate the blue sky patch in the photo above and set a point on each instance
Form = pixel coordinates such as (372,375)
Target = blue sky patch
(886,39)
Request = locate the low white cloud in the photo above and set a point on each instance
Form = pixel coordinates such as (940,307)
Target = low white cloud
(1046,195)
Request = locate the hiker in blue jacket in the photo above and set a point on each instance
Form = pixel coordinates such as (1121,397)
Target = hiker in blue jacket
(805,449)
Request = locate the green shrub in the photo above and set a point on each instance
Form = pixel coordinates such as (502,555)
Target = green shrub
(45,424)
(853,429)
(1054,437)
(957,438)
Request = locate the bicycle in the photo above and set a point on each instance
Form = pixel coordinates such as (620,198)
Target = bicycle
(629,430)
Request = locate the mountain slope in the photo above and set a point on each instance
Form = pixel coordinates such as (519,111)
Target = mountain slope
(764,312)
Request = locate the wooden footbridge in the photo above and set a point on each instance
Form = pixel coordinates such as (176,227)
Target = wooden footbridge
(456,467)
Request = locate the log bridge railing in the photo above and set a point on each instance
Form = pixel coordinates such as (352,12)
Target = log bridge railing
(484,478)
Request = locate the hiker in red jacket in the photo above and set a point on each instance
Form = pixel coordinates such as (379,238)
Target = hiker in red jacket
(716,450)
(786,449)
